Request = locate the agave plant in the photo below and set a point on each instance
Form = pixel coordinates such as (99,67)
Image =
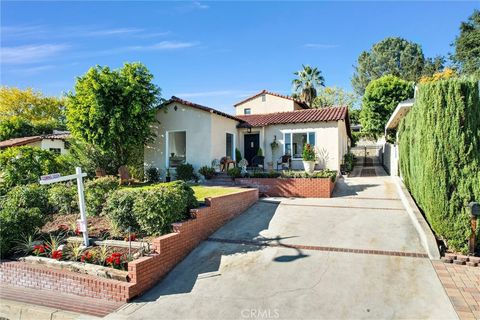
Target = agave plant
(53,243)
(75,250)
(24,245)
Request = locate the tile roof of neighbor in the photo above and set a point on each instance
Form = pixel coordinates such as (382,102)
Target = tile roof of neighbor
(15,142)
(200,107)
(301,103)
(297,116)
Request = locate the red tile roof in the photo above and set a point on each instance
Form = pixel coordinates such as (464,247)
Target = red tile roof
(203,108)
(15,142)
(298,116)
(301,103)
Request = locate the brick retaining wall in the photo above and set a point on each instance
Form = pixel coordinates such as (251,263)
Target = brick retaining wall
(291,187)
(145,272)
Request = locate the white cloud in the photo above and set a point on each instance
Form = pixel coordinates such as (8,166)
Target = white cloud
(113,32)
(321,45)
(30,53)
(165,45)
(198,5)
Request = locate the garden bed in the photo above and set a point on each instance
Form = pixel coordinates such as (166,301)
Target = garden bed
(142,273)
(292,184)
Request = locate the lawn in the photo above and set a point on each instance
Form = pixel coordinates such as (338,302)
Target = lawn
(202,192)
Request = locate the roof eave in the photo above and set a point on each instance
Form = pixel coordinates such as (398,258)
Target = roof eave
(398,114)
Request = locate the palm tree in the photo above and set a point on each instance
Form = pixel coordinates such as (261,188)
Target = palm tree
(307,82)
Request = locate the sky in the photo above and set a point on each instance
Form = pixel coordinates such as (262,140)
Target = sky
(211,53)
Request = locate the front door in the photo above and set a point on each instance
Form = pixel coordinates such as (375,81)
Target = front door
(251,145)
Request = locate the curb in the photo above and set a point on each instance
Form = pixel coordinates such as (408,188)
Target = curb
(427,238)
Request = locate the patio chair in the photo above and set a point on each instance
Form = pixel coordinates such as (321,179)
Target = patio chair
(99,172)
(124,174)
(258,162)
(225,163)
(285,162)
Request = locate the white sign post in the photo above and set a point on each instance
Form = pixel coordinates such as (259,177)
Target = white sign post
(56,177)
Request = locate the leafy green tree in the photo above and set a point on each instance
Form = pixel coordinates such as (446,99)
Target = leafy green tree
(433,65)
(23,165)
(308,81)
(113,110)
(334,96)
(380,99)
(27,113)
(395,56)
(467,46)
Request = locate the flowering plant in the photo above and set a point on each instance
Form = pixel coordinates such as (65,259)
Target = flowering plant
(87,257)
(57,254)
(132,237)
(308,153)
(38,249)
(115,260)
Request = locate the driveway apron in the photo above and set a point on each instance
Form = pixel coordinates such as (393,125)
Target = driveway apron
(353,256)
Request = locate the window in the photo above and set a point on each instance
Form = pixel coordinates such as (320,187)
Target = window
(264,97)
(56,150)
(247,111)
(295,141)
(177,148)
(229,146)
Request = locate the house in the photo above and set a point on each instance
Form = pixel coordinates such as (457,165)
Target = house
(189,132)
(55,142)
(391,154)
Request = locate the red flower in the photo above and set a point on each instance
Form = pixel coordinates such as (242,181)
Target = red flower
(86,257)
(57,254)
(77,231)
(132,237)
(38,249)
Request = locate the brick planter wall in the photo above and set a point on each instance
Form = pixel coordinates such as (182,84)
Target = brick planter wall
(145,272)
(291,187)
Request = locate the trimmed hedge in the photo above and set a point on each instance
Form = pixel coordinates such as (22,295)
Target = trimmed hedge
(151,210)
(440,155)
(97,192)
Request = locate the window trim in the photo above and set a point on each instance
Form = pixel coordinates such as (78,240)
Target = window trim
(167,159)
(234,145)
(292,131)
(249,111)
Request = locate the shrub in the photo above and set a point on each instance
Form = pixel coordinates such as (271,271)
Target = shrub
(151,210)
(331,174)
(260,152)
(270,174)
(152,174)
(24,165)
(238,155)
(162,205)
(234,173)
(207,172)
(21,212)
(97,192)
(440,155)
(63,197)
(186,172)
(119,209)
(349,160)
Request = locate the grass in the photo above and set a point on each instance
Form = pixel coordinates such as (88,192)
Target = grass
(201,192)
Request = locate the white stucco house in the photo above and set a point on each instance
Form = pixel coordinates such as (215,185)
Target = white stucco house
(55,142)
(188,132)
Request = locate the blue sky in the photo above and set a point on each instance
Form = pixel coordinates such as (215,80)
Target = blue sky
(213,53)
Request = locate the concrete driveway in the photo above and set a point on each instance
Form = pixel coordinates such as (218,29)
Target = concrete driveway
(354,256)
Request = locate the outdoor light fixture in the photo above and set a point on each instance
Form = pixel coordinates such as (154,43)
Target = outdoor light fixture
(249,130)
(474,208)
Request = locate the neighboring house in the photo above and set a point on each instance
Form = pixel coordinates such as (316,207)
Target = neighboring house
(55,142)
(188,132)
(391,153)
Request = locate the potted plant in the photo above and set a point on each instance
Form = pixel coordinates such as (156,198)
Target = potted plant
(168,178)
(308,157)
